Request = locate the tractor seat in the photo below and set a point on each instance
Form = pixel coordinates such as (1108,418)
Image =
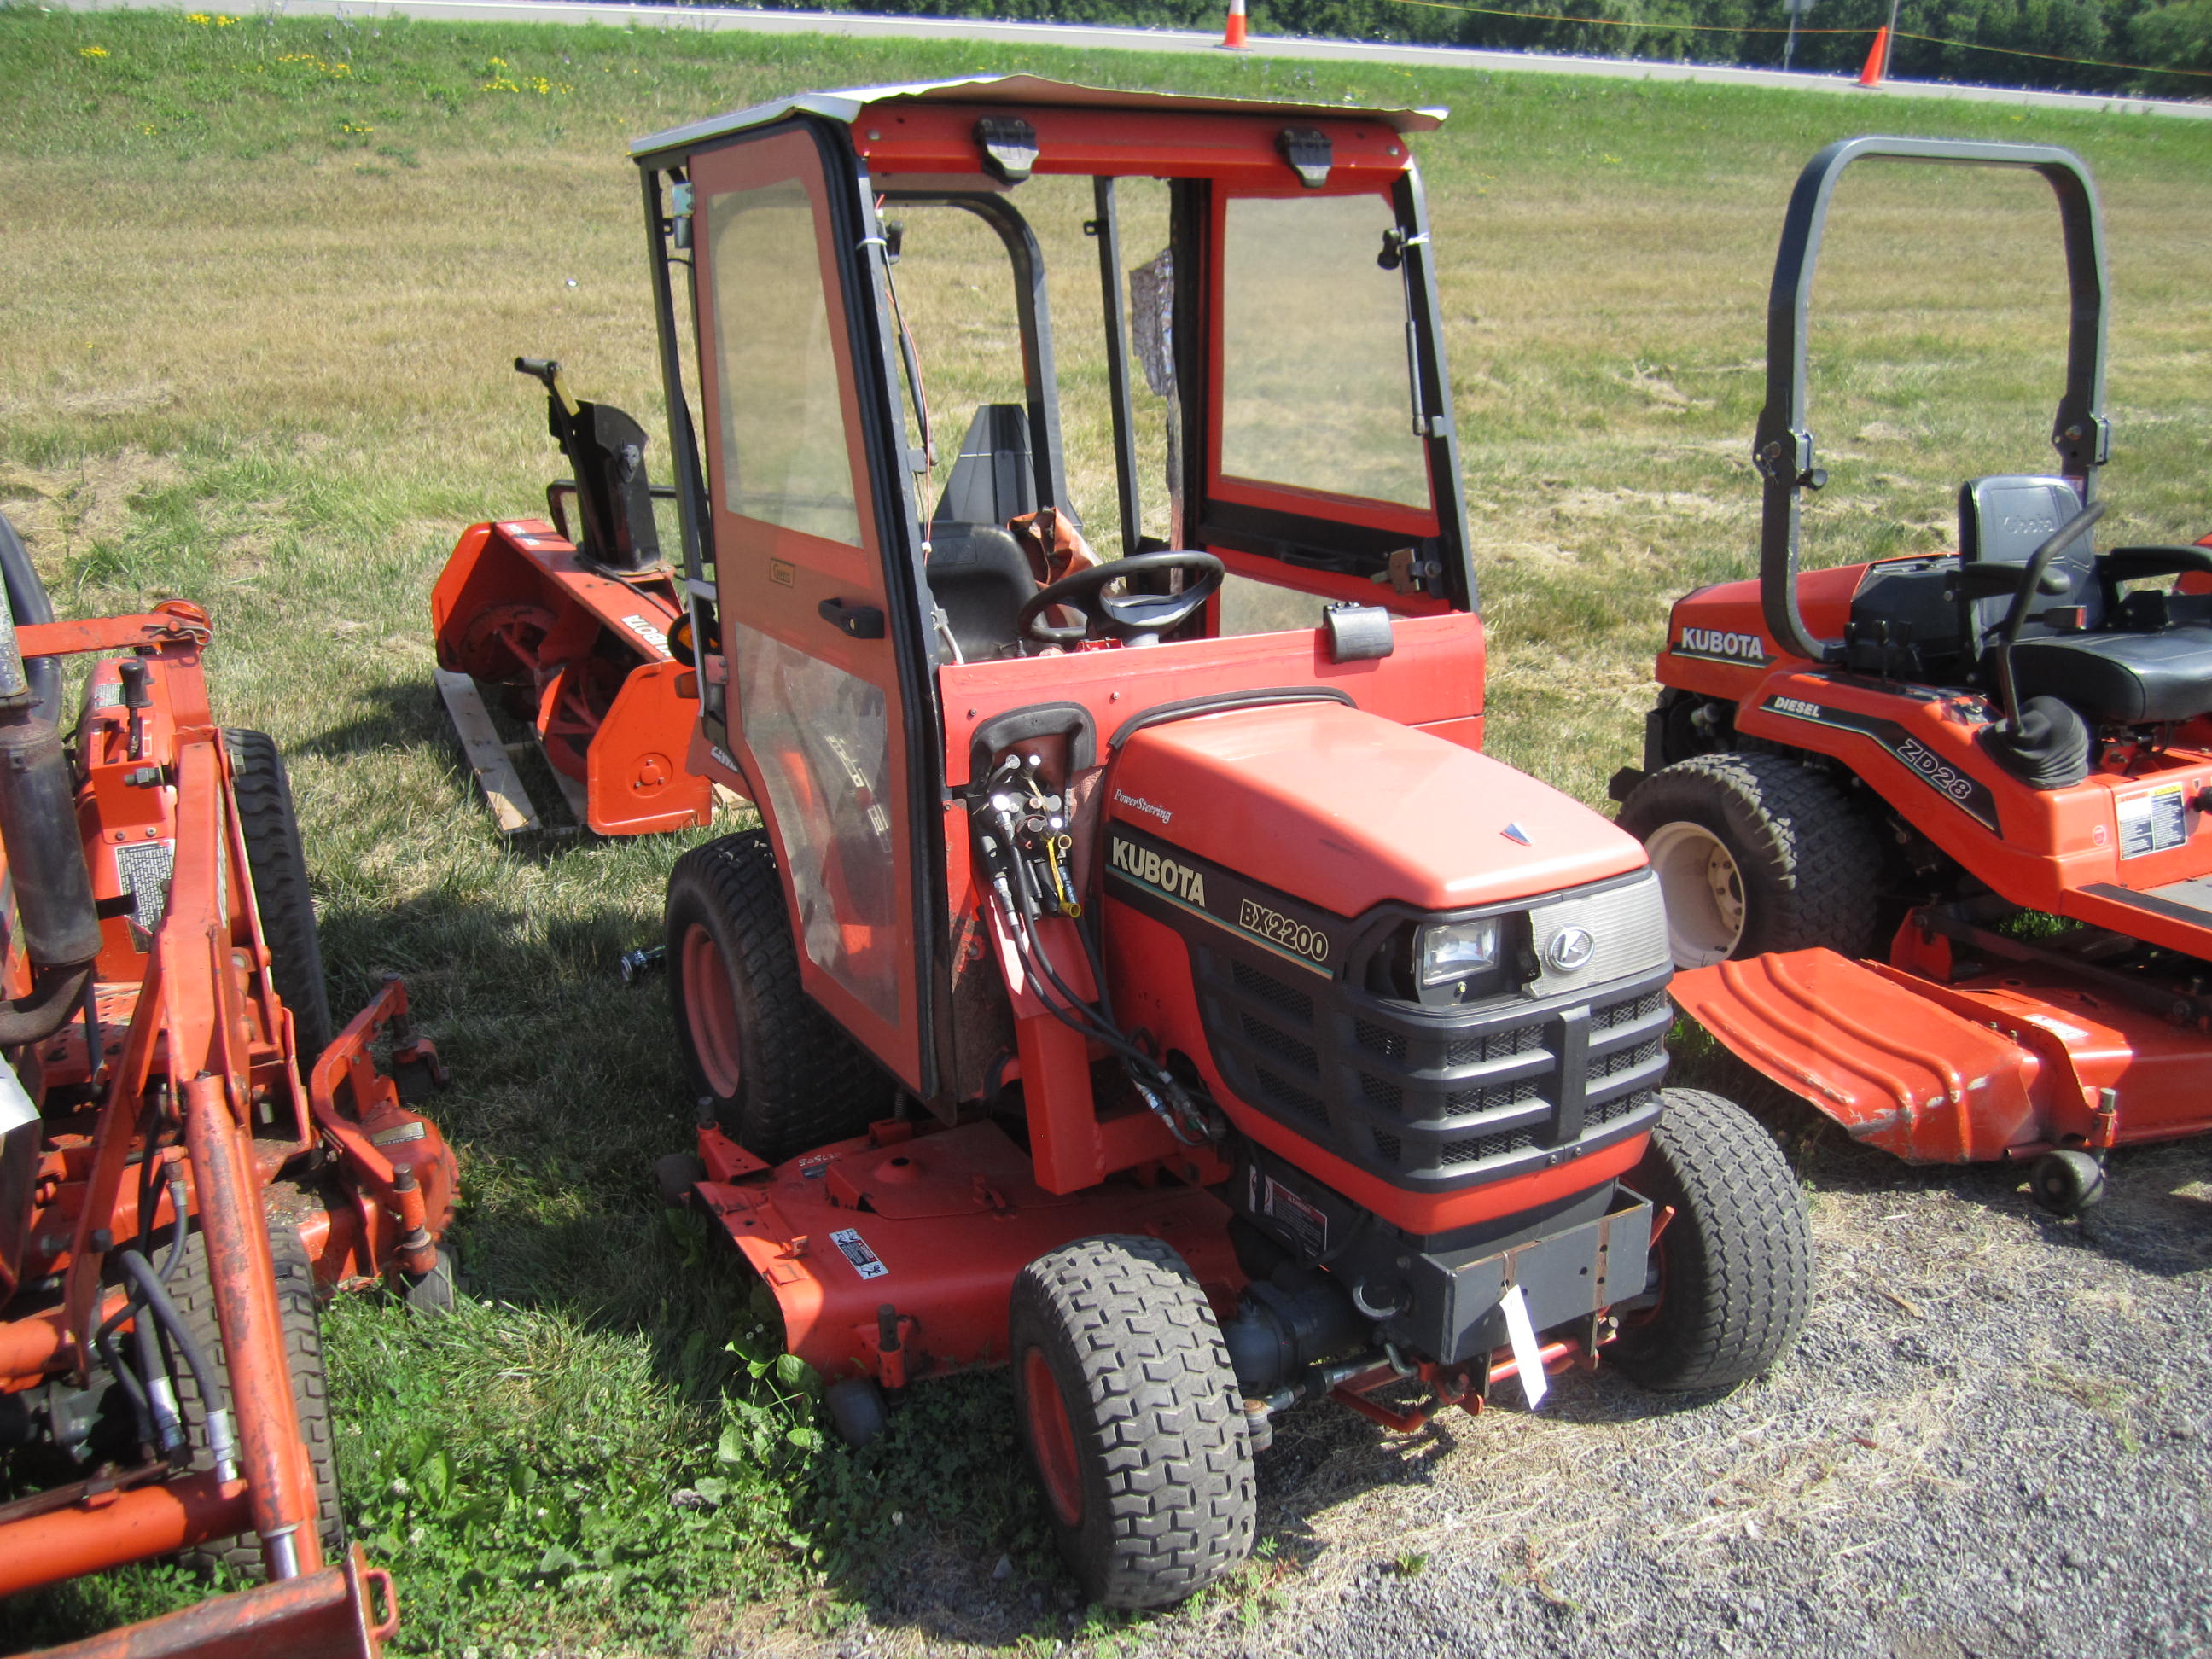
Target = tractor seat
(2123,679)
(980,578)
(2111,674)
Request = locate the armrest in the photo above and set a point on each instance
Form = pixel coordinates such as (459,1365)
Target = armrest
(2127,564)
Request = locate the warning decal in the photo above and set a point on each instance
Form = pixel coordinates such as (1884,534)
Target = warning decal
(856,1251)
(1307,1225)
(2153,821)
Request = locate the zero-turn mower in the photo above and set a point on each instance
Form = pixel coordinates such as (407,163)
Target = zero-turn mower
(1934,831)
(187,1158)
(1140,977)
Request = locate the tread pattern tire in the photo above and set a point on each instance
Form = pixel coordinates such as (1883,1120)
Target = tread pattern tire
(193,1290)
(802,1082)
(1168,1495)
(1736,1262)
(1812,857)
(281,892)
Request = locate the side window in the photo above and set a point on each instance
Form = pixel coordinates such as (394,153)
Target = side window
(1315,392)
(784,456)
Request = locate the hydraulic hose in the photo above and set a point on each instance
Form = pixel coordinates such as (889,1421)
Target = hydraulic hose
(221,1446)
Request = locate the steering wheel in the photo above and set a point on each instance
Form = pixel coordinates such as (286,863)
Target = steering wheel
(1133,618)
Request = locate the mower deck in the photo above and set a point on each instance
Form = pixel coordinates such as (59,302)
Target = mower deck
(933,1226)
(2005,1065)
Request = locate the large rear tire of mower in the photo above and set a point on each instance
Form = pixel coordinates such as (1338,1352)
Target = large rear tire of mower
(1130,1411)
(780,1078)
(193,1290)
(278,865)
(1757,853)
(1736,1262)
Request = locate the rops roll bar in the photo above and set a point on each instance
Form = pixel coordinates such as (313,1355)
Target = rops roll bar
(1782,448)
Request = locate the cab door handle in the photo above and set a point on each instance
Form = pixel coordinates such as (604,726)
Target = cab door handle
(860,622)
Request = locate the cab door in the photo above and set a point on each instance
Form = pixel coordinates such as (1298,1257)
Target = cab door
(816,720)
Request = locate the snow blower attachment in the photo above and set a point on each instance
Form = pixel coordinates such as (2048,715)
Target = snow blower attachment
(172,1190)
(1934,830)
(573,626)
(1139,976)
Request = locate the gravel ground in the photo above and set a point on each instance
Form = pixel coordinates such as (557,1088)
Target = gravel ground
(1995,1439)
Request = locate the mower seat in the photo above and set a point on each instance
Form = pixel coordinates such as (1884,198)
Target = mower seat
(2121,680)
(977,573)
(2112,675)
(980,578)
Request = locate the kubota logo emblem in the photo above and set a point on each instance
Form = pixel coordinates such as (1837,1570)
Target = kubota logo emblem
(1572,948)
(1712,642)
(1150,868)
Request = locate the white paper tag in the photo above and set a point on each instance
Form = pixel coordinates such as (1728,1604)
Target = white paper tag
(17,1108)
(1528,1357)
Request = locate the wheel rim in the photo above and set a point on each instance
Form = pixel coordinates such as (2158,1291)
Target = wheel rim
(710,1008)
(1052,1438)
(1703,887)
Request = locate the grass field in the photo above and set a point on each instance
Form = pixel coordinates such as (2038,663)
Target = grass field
(258,284)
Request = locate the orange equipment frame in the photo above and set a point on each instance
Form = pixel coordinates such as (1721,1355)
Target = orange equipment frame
(184,1060)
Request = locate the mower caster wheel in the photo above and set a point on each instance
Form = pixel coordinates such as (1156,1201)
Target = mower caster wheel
(675,1176)
(2068,1182)
(1133,1419)
(434,1293)
(857,1410)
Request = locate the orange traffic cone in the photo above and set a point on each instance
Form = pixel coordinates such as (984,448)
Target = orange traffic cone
(1877,59)
(1232,36)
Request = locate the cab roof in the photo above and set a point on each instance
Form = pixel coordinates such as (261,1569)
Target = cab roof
(1033,90)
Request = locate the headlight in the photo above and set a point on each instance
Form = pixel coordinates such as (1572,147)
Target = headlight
(1450,950)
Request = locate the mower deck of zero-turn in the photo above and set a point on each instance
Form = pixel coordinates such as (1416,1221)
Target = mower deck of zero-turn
(186,1155)
(1155,989)
(1933,830)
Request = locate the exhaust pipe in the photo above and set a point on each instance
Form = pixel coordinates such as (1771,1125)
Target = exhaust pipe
(37,828)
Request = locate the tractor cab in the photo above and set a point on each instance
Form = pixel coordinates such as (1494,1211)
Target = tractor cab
(1139,963)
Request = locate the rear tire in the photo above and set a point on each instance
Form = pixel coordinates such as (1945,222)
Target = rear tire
(1736,1262)
(1131,1413)
(1757,853)
(193,1291)
(281,891)
(778,1076)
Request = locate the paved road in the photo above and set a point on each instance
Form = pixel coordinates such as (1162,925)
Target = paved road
(1090,38)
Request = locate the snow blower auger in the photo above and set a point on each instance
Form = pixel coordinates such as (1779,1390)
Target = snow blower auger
(1934,831)
(173,1191)
(1181,1011)
(574,630)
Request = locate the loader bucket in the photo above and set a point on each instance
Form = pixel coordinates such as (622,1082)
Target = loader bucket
(582,655)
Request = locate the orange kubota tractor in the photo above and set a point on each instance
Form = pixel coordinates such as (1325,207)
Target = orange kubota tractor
(180,1174)
(1140,976)
(1936,833)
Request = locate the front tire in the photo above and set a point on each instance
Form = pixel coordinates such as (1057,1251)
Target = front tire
(1756,851)
(278,866)
(779,1077)
(1734,1264)
(193,1291)
(1131,1414)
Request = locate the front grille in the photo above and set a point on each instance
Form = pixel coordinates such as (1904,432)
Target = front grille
(1432,1096)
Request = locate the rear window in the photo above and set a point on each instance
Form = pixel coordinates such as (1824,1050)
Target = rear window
(1315,387)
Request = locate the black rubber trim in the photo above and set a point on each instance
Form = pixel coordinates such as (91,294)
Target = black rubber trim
(1265,697)
(1071,721)
(2157,907)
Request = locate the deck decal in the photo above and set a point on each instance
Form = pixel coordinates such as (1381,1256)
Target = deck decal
(854,1248)
(1968,793)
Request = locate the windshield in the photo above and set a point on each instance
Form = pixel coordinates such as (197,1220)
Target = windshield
(1315,392)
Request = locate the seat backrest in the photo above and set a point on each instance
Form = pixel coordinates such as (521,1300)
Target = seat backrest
(980,579)
(2002,519)
(993,480)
